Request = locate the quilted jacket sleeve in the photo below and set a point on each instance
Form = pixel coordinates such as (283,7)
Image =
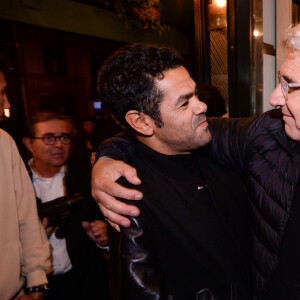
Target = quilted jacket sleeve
(120,147)
(231,138)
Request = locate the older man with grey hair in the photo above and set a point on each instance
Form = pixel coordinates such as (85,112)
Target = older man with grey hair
(265,150)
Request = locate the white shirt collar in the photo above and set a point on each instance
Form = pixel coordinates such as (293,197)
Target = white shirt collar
(35,176)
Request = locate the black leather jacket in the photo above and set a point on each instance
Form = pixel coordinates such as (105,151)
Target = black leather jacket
(145,279)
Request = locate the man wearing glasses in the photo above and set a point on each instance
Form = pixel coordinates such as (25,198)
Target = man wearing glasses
(79,271)
(265,151)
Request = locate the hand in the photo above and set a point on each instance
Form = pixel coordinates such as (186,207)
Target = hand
(32,296)
(104,188)
(89,145)
(96,231)
(49,230)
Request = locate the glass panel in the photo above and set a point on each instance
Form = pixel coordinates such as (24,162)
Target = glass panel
(217,34)
(296,12)
(257,54)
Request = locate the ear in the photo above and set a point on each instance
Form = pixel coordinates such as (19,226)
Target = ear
(140,122)
(27,143)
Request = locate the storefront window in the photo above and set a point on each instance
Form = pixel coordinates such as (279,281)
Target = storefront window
(257,57)
(296,11)
(218,45)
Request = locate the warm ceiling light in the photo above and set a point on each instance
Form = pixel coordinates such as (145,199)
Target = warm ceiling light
(220,3)
(7,112)
(256,33)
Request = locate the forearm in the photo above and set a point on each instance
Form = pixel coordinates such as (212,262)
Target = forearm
(35,245)
(230,140)
(121,147)
(105,173)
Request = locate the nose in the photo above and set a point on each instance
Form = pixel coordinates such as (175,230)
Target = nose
(277,98)
(199,107)
(58,142)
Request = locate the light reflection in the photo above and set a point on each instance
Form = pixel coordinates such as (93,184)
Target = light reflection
(256,33)
(7,112)
(220,3)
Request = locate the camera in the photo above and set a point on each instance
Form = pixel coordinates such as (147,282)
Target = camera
(59,210)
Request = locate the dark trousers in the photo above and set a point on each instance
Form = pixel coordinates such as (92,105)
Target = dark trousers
(87,284)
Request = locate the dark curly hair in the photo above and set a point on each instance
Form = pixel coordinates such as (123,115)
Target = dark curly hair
(126,80)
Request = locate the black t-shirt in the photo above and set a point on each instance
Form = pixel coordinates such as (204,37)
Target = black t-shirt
(190,237)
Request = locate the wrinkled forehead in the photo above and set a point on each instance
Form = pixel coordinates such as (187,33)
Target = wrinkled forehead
(54,126)
(291,66)
(177,80)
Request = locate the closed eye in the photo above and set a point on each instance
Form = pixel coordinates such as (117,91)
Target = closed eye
(294,90)
(184,103)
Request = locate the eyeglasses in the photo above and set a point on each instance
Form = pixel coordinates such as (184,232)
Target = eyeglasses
(285,86)
(66,139)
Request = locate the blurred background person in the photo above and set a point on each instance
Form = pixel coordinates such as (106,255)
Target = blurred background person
(88,125)
(85,142)
(216,105)
(79,269)
(91,132)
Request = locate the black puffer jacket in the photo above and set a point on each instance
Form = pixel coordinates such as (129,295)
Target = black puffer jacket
(260,151)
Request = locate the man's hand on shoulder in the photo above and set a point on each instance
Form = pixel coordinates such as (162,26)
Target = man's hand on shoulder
(106,172)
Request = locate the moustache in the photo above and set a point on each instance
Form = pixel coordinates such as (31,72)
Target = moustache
(198,120)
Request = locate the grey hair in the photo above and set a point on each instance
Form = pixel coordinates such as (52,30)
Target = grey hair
(291,38)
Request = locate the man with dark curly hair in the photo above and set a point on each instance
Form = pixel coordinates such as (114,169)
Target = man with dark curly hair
(186,243)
